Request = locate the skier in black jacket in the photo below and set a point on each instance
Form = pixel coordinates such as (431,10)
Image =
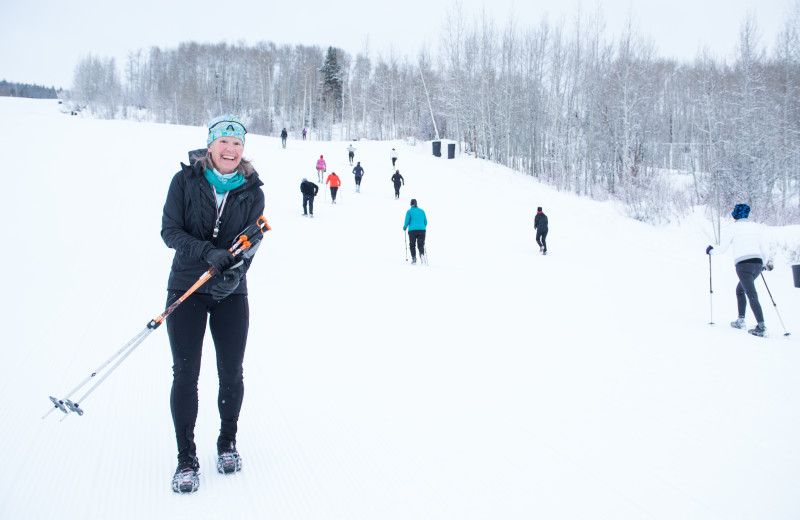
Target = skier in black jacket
(540,225)
(209,202)
(309,191)
(397,179)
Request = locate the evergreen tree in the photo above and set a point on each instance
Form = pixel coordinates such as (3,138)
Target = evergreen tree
(332,84)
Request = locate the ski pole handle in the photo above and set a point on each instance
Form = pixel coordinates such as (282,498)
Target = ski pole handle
(249,236)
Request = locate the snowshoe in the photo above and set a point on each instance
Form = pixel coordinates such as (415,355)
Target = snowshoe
(759,330)
(228,460)
(186,478)
(739,323)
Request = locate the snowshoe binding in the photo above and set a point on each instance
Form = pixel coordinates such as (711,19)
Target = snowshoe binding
(739,323)
(759,330)
(228,459)
(186,478)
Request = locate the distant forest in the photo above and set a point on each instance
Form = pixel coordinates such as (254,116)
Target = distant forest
(601,116)
(27,91)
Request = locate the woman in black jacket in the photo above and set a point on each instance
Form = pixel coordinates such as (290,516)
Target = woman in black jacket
(209,202)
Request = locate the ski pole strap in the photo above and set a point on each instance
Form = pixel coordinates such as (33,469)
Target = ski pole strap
(250,236)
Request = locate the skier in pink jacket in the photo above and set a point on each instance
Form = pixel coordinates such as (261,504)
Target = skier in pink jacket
(321,167)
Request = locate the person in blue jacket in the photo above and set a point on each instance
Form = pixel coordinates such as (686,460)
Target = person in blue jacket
(209,202)
(416,222)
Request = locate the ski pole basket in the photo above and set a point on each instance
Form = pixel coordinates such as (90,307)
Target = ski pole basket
(245,240)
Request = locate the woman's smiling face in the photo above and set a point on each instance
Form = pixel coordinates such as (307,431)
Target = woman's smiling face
(226,154)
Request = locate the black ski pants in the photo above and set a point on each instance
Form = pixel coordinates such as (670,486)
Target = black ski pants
(334,189)
(416,239)
(229,321)
(308,204)
(396,189)
(541,238)
(748,271)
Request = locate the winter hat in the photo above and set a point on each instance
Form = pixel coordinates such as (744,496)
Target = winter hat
(225,126)
(305,180)
(320,157)
(539,209)
(740,211)
(413,202)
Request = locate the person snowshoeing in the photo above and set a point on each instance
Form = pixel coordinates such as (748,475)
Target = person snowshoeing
(309,191)
(321,168)
(397,179)
(358,171)
(540,225)
(417,223)
(334,182)
(208,204)
(750,255)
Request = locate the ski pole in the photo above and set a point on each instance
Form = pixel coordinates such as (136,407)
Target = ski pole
(710,292)
(405,239)
(246,239)
(775,305)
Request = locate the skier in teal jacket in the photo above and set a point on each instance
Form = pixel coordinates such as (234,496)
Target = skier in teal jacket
(416,222)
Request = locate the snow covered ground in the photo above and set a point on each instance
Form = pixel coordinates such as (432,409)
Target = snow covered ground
(494,384)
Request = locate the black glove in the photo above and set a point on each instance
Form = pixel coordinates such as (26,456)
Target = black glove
(220,259)
(228,284)
(708,249)
(769,267)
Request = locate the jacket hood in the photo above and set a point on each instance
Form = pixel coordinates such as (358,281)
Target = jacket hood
(197,155)
(195,167)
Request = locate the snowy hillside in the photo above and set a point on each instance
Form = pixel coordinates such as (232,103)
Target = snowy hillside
(495,384)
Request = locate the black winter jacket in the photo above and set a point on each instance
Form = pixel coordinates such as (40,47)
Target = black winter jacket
(397,179)
(309,188)
(540,222)
(187,225)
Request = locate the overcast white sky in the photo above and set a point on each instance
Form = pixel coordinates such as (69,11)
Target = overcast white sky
(42,40)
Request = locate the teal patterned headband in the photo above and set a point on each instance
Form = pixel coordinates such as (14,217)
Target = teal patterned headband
(225,126)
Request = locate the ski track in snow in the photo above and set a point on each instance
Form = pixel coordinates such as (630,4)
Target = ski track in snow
(495,383)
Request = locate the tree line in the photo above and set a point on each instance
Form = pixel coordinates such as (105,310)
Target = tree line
(25,90)
(598,116)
